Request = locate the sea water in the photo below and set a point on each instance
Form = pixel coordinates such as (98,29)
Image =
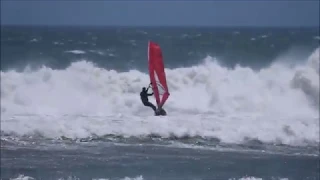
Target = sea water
(244,104)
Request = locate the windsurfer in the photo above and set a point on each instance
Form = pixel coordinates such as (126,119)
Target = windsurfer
(157,78)
(144,98)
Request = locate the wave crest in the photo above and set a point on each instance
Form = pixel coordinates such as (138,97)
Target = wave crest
(274,104)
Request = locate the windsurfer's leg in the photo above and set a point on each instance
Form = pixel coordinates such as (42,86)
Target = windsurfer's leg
(161,111)
(150,105)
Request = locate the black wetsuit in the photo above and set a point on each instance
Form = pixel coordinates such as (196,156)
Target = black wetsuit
(144,98)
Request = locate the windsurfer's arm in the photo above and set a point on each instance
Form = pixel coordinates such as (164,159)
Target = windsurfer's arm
(150,85)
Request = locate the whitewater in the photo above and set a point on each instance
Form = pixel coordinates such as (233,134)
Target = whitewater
(277,104)
(244,104)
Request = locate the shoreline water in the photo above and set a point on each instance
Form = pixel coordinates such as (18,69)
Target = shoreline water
(153,162)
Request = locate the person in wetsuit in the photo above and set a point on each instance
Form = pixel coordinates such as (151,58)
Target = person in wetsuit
(144,98)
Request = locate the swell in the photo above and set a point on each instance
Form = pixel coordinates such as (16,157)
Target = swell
(124,49)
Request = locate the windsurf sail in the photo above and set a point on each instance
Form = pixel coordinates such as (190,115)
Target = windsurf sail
(157,74)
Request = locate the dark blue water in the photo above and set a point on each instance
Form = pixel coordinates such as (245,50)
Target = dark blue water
(126,48)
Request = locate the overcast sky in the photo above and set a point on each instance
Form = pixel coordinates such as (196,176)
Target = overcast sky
(161,13)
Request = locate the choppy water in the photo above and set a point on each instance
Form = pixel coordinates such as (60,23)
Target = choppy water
(244,104)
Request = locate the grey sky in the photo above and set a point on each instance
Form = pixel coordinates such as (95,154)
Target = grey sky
(152,12)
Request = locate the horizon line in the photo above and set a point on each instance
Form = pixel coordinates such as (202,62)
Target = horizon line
(157,26)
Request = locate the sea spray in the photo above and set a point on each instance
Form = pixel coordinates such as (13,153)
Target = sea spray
(207,100)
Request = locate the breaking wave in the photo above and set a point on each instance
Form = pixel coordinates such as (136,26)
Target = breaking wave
(277,104)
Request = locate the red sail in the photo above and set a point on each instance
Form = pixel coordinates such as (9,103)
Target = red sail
(157,74)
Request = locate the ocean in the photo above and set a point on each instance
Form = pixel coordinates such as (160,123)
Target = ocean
(243,105)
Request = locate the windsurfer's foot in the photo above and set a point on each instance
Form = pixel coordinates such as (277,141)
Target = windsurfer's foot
(161,112)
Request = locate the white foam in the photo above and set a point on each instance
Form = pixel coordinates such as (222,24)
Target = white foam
(22,177)
(76,51)
(255,178)
(58,43)
(264,36)
(125,178)
(81,42)
(135,178)
(133,42)
(250,178)
(34,40)
(207,100)
(97,52)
